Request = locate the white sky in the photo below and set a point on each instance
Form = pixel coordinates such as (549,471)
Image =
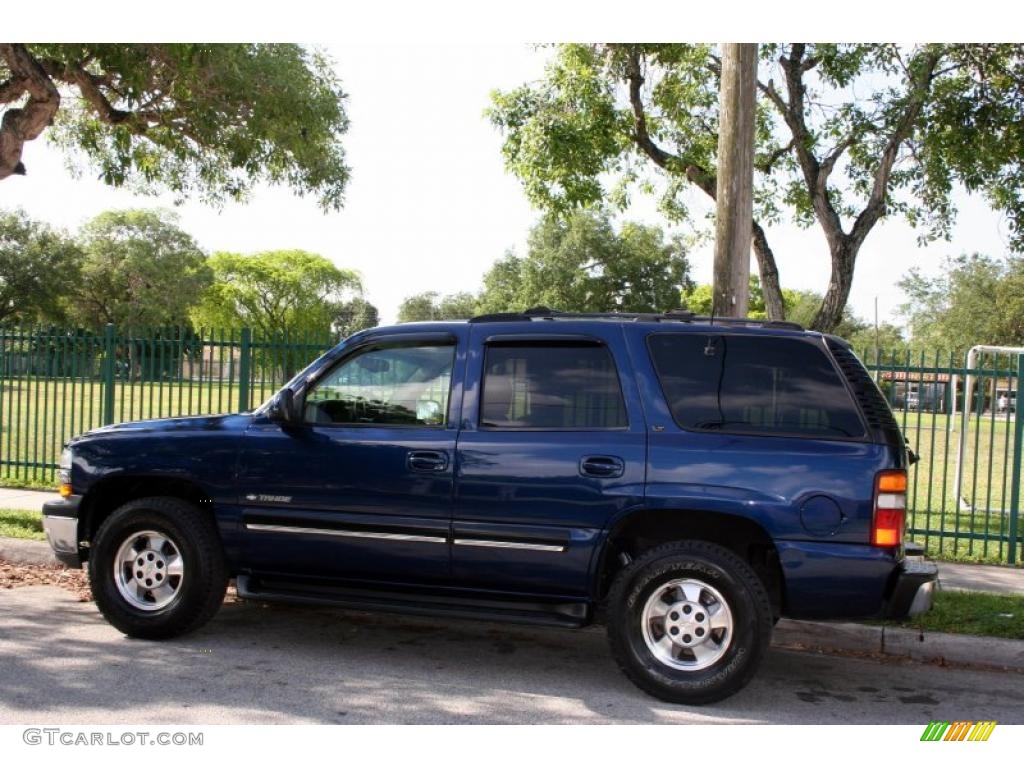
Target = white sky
(430,206)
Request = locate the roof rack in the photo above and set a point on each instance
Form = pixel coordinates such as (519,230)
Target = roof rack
(677,315)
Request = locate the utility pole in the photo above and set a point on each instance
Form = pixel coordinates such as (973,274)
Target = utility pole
(876,341)
(735,197)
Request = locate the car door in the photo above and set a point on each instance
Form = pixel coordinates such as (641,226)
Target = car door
(552,447)
(363,487)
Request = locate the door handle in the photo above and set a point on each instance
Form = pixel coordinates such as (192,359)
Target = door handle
(427,461)
(602,466)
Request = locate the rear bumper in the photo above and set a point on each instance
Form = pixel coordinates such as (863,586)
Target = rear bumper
(831,581)
(60,521)
(913,589)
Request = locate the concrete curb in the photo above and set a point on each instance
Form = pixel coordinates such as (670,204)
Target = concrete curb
(935,647)
(27,552)
(896,642)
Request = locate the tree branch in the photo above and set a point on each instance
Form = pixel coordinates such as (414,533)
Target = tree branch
(773,96)
(832,157)
(91,88)
(91,92)
(634,75)
(768,164)
(809,63)
(12,89)
(875,207)
(814,177)
(28,122)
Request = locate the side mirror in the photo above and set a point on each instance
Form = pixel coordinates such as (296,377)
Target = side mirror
(912,457)
(282,408)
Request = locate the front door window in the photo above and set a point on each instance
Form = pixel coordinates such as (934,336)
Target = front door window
(391,386)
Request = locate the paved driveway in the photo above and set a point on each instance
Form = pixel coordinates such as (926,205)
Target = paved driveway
(60,663)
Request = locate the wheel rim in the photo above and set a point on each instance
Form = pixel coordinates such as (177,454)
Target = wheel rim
(687,624)
(149,570)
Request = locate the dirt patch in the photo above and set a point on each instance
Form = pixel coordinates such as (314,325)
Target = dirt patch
(13,575)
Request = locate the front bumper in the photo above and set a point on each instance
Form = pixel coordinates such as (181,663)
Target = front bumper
(913,589)
(60,521)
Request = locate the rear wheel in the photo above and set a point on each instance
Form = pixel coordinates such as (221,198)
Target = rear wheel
(689,622)
(157,568)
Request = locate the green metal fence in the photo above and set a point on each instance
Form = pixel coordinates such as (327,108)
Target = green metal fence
(968,510)
(56,383)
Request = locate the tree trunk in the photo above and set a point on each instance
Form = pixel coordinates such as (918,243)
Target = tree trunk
(770,286)
(830,313)
(734,195)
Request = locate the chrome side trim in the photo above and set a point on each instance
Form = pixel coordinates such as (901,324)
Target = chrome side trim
(509,545)
(346,534)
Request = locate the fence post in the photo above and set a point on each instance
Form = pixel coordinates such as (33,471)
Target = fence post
(109,368)
(244,363)
(1018,459)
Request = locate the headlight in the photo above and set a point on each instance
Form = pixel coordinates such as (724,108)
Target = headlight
(64,473)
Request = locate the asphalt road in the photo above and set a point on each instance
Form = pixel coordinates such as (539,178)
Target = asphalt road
(61,663)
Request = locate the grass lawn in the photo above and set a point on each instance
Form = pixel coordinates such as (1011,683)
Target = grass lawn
(10,481)
(21,524)
(973,613)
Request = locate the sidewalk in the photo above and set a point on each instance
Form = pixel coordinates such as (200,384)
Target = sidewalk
(22,498)
(1001,579)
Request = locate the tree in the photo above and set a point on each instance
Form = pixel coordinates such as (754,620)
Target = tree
(431,305)
(39,267)
(800,308)
(201,119)
(278,293)
(888,342)
(975,300)
(799,305)
(580,263)
(140,269)
(846,134)
(355,315)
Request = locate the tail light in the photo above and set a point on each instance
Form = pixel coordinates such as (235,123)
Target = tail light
(890,508)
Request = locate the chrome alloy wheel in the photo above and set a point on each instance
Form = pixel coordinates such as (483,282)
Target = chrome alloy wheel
(148,570)
(687,624)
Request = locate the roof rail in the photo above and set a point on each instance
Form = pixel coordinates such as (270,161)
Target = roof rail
(677,315)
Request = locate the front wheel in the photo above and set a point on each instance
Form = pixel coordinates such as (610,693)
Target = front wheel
(689,622)
(157,569)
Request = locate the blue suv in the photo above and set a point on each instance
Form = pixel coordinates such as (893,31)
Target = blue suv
(685,481)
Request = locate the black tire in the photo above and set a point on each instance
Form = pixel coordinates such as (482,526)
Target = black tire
(744,595)
(199,590)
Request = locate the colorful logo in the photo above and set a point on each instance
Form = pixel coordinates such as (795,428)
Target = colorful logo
(958,731)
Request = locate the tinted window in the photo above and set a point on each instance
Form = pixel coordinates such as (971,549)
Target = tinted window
(551,386)
(752,384)
(405,385)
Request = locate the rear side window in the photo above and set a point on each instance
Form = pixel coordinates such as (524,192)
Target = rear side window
(551,386)
(753,384)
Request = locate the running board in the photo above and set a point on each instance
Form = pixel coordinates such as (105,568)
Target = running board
(571,615)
